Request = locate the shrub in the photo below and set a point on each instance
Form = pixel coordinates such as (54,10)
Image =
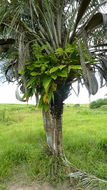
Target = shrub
(98,103)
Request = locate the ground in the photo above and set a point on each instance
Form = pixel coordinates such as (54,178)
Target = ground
(44,186)
(21,181)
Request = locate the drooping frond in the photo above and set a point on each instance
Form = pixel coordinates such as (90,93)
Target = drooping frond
(18,96)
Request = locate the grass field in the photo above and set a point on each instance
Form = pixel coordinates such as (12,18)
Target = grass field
(22,142)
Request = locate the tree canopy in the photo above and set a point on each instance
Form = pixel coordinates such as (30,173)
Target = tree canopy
(50,44)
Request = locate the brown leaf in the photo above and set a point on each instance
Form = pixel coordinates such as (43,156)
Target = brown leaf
(95,21)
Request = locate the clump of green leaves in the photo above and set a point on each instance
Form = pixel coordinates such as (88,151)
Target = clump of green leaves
(46,72)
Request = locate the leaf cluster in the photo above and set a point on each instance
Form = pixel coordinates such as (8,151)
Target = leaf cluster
(47,72)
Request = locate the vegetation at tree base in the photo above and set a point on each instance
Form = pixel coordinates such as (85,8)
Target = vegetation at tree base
(23,150)
(48,45)
(98,103)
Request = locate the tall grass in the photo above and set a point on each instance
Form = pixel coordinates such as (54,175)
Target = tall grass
(22,142)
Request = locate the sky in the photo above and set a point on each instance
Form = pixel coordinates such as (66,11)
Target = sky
(7,95)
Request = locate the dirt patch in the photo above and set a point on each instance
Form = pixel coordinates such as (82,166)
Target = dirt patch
(32,187)
(20,181)
(44,186)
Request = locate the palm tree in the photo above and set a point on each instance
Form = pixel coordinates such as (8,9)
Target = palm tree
(71,38)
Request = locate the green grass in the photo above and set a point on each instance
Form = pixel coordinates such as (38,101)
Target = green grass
(23,147)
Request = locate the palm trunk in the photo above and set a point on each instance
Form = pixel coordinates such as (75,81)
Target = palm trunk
(57,123)
(53,130)
(47,120)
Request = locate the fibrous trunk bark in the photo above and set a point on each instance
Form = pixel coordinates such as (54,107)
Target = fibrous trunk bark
(53,130)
